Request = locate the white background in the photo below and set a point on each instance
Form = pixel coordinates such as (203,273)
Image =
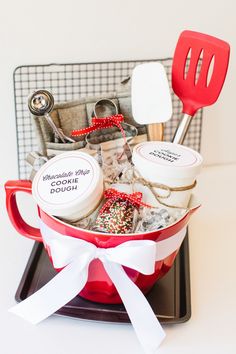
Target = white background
(75,31)
(72,31)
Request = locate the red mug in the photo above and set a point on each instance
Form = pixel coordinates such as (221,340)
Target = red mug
(99,287)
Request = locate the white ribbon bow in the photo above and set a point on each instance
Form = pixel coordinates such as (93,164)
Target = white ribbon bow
(74,256)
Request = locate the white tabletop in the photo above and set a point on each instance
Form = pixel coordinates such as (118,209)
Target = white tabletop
(211,328)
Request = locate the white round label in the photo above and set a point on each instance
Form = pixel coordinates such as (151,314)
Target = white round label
(65,180)
(167,154)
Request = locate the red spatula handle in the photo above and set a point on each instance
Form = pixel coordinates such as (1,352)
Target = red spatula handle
(182,129)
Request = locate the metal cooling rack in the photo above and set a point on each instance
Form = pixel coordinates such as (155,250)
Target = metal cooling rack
(72,81)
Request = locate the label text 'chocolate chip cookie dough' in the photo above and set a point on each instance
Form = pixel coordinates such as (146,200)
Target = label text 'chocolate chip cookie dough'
(69,185)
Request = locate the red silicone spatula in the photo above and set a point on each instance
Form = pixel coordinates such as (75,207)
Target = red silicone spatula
(197,88)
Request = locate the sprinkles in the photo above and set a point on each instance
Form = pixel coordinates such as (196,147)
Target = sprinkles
(117,218)
(117,214)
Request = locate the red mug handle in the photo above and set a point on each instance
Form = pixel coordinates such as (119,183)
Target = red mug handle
(12,187)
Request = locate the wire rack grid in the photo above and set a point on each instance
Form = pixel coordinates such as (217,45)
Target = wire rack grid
(76,80)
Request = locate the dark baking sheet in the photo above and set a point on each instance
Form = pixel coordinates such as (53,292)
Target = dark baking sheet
(169,298)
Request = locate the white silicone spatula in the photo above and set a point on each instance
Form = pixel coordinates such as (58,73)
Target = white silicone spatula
(150,98)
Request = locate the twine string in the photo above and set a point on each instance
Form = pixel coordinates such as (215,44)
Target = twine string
(137,178)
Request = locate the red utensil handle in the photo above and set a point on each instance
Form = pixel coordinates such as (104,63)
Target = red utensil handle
(12,187)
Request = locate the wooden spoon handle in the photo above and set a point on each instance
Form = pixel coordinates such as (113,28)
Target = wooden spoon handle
(155,131)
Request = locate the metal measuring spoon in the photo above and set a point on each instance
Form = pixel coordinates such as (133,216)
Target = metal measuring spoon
(41,103)
(105,107)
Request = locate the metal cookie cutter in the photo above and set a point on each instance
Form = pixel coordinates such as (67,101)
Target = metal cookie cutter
(41,103)
(103,108)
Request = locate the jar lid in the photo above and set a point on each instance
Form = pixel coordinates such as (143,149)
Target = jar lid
(166,159)
(69,185)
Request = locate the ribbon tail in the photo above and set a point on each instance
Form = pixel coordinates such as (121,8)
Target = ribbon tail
(146,325)
(55,294)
